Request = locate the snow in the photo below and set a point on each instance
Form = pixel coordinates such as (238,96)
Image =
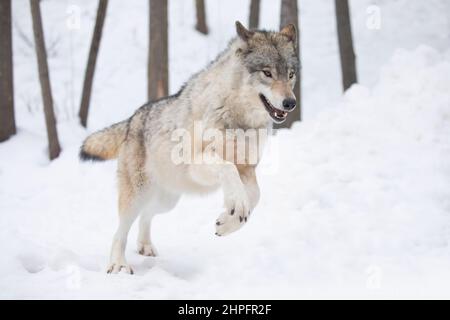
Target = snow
(355,199)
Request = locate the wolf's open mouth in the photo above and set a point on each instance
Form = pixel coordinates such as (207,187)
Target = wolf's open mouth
(277,115)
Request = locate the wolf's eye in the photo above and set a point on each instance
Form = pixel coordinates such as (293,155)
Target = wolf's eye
(268,74)
(291,74)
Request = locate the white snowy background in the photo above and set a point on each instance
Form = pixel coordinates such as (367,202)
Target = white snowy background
(355,199)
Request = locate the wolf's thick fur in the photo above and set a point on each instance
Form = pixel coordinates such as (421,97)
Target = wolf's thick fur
(247,86)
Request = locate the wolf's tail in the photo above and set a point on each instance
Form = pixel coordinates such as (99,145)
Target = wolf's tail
(104,144)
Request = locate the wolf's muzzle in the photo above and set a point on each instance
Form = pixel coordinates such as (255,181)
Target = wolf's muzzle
(289,104)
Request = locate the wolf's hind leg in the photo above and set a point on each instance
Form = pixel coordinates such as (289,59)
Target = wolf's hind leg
(117,260)
(144,244)
(129,208)
(160,202)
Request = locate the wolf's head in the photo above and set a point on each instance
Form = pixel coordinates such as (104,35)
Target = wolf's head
(272,62)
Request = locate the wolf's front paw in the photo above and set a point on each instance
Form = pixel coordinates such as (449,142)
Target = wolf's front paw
(234,218)
(147,249)
(115,268)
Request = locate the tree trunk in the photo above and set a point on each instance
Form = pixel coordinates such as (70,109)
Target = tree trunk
(7,122)
(52,134)
(346,51)
(289,15)
(158,73)
(254,14)
(201,25)
(92,59)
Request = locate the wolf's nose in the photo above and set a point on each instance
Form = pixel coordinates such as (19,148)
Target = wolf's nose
(289,104)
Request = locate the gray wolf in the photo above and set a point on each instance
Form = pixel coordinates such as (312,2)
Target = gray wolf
(249,86)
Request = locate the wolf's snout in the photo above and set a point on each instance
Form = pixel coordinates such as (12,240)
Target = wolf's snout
(289,104)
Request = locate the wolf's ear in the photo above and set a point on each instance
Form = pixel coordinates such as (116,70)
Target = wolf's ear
(290,31)
(243,33)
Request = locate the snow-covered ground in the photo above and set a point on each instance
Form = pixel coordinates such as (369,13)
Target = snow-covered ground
(355,199)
